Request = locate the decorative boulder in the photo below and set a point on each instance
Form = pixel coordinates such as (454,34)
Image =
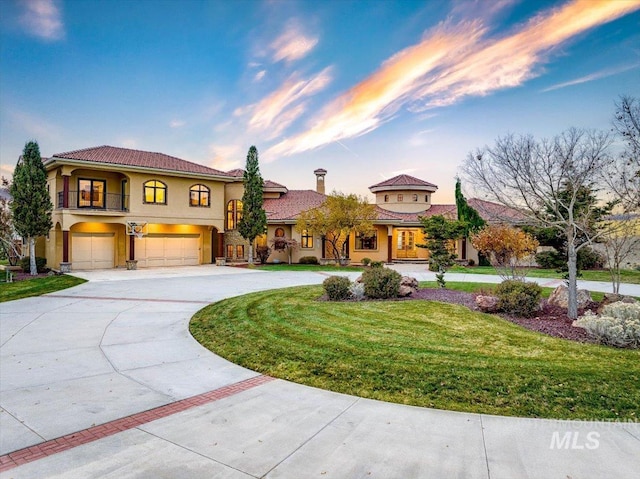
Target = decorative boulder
(614,298)
(488,304)
(408,286)
(560,297)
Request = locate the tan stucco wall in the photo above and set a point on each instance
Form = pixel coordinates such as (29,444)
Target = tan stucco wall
(407,205)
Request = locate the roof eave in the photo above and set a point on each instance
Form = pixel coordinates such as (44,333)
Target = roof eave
(376,189)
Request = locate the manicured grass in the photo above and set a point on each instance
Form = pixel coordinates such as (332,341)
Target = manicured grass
(627,275)
(307,267)
(36,286)
(490,287)
(421,353)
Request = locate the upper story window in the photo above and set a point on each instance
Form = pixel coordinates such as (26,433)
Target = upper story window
(415,197)
(306,239)
(386,198)
(199,195)
(92,193)
(155,192)
(426,198)
(234,214)
(367,241)
(400,198)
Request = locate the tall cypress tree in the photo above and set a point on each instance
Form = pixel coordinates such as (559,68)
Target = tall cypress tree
(31,205)
(254,218)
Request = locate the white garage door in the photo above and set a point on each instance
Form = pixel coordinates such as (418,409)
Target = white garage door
(168,250)
(92,250)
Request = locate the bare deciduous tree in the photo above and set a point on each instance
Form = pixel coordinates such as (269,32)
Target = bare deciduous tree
(626,179)
(544,179)
(619,243)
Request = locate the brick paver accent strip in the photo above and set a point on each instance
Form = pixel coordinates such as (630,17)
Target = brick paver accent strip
(54,446)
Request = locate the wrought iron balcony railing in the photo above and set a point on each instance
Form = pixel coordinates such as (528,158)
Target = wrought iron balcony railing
(94,201)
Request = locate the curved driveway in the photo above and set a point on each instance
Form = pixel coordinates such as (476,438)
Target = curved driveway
(119,345)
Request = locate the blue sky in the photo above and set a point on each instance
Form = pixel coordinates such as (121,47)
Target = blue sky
(364,89)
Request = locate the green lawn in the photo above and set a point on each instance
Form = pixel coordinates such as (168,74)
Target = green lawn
(36,286)
(421,353)
(627,275)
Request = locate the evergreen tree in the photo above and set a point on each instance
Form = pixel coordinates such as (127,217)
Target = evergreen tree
(473,222)
(441,233)
(31,205)
(254,218)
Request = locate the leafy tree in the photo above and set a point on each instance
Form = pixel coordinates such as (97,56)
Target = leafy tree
(31,205)
(544,180)
(472,219)
(254,219)
(506,247)
(338,217)
(282,243)
(441,233)
(7,231)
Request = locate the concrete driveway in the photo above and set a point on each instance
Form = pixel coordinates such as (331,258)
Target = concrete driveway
(104,380)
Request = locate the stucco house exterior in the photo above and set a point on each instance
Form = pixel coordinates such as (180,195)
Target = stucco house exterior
(188,213)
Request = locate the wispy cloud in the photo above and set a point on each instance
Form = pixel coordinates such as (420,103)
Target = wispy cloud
(42,18)
(177,123)
(225,157)
(292,44)
(260,75)
(280,108)
(593,76)
(452,61)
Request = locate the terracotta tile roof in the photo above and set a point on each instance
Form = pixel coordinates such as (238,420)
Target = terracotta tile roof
(291,204)
(273,184)
(401,181)
(238,172)
(448,211)
(494,212)
(144,159)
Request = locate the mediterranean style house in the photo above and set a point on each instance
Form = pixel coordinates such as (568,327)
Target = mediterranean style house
(187,214)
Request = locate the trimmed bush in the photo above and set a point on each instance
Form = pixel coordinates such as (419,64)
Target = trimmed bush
(263,253)
(471,262)
(366,261)
(308,260)
(550,260)
(518,297)
(376,264)
(588,258)
(381,283)
(618,325)
(41,264)
(337,288)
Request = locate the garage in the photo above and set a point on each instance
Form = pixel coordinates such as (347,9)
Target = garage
(92,250)
(168,250)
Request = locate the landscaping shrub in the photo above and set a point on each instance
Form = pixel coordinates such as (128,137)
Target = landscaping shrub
(308,260)
(518,297)
(377,264)
(381,283)
(263,253)
(366,261)
(357,291)
(41,264)
(588,258)
(618,325)
(337,288)
(471,262)
(550,260)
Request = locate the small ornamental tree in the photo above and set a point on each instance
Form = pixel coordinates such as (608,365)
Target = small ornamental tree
(338,217)
(282,243)
(441,235)
(31,205)
(7,232)
(506,247)
(254,219)
(620,243)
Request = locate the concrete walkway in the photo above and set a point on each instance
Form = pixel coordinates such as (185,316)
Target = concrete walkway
(73,364)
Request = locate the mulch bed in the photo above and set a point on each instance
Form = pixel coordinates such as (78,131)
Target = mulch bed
(550,320)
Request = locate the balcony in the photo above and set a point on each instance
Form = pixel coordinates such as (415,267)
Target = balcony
(106,202)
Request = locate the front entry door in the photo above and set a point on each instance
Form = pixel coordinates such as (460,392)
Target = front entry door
(406,245)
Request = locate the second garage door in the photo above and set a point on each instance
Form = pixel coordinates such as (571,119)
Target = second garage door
(168,250)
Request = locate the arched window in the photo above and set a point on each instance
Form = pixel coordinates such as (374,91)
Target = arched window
(279,233)
(386,198)
(415,197)
(199,195)
(234,214)
(155,192)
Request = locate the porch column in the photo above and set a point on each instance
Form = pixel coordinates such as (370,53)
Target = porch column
(132,247)
(389,244)
(220,253)
(65,246)
(65,192)
(324,245)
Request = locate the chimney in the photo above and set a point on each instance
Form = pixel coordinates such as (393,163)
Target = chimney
(320,173)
